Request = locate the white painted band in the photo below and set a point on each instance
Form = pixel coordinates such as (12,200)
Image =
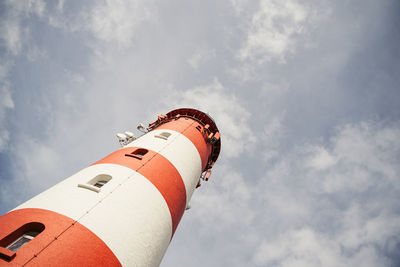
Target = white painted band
(128,213)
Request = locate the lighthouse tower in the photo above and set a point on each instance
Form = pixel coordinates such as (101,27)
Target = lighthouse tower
(122,210)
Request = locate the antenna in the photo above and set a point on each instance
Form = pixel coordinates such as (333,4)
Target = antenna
(122,138)
(141,128)
(125,138)
(130,135)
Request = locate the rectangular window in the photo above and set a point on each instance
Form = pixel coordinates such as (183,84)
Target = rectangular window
(21,241)
(100,183)
(97,182)
(19,238)
(138,153)
(163,135)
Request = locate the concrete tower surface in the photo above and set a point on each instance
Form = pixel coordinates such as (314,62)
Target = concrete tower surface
(121,210)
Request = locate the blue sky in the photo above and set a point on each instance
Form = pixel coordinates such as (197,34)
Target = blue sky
(305,93)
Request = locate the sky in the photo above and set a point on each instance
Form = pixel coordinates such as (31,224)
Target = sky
(305,93)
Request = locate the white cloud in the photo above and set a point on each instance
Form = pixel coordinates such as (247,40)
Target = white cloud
(306,248)
(369,147)
(355,246)
(6,102)
(47,156)
(6,99)
(272,31)
(117,20)
(36,7)
(12,34)
(271,137)
(239,5)
(232,195)
(109,21)
(60,6)
(35,53)
(320,158)
(227,110)
(201,55)
(359,153)
(335,202)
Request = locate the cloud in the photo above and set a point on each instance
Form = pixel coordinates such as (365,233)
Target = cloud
(239,6)
(6,103)
(34,53)
(112,22)
(306,248)
(361,152)
(117,20)
(12,33)
(336,200)
(11,36)
(272,30)
(272,135)
(228,111)
(202,54)
(320,158)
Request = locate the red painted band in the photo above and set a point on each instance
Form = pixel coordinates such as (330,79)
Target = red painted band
(160,172)
(187,127)
(63,242)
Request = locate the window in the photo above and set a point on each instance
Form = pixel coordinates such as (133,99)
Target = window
(97,182)
(22,240)
(138,153)
(163,135)
(19,238)
(100,183)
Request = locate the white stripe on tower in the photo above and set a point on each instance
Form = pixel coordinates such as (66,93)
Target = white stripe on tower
(72,201)
(129,213)
(134,221)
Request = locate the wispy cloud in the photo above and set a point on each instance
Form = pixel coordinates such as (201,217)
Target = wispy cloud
(6,102)
(350,184)
(272,30)
(11,31)
(202,54)
(228,110)
(117,20)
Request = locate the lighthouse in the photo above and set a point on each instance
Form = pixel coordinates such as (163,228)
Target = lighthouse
(122,210)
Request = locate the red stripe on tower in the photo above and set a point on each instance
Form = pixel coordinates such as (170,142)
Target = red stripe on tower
(79,246)
(159,171)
